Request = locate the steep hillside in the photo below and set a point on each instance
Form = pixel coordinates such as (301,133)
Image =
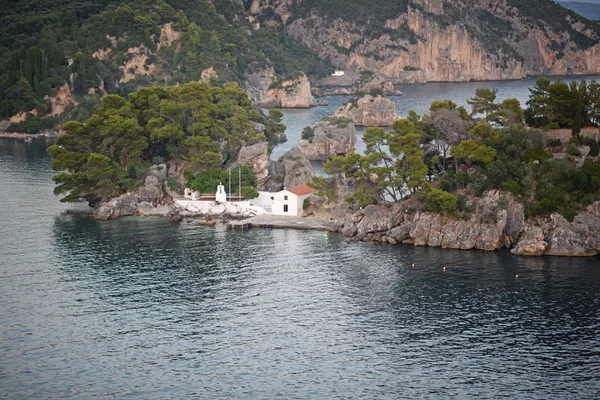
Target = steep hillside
(99,47)
(590,11)
(436,40)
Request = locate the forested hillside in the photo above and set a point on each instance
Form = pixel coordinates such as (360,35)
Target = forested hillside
(114,47)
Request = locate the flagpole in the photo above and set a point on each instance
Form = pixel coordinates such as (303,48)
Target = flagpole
(240,184)
(230,185)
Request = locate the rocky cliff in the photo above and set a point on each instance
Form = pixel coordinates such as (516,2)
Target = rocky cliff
(293,93)
(369,110)
(435,40)
(256,156)
(490,227)
(330,136)
(291,170)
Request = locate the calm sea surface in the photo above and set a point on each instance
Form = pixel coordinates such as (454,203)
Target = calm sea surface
(143,308)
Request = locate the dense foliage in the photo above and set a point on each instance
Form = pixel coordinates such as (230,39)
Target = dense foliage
(448,156)
(195,122)
(45,44)
(559,105)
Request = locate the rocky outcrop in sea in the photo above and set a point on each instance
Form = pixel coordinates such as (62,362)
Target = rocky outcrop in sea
(329,137)
(369,110)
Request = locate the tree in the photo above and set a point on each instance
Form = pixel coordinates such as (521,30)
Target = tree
(473,151)
(483,102)
(438,200)
(539,105)
(509,113)
(404,144)
(450,129)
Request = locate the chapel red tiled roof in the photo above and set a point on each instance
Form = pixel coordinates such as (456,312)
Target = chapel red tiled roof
(301,190)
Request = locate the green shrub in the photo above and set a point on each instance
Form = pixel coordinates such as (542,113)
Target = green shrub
(512,187)
(305,204)
(172,184)
(308,133)
(438,200)
(573,150)
(249,192)
(554,143)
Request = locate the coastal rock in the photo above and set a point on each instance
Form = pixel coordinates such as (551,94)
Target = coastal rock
(378,219)
(532,243)
(293,93)
(491,234)
(331,137)
(427,229)
(459,234)
(579,238)
(147,209)
(515,222)
(121,206)
(257,157)
(369,110)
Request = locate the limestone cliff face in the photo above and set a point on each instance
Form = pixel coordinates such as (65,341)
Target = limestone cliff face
(330,138)
(450,41)
(294,93)
(256,156)
(369,111)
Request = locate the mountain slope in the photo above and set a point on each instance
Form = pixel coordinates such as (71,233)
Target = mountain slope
(435,40)
(84,47)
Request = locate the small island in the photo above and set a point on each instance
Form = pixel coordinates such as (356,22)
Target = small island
(498,177)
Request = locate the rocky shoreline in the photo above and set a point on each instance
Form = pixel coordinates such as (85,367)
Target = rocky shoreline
(490,227)
(28,136)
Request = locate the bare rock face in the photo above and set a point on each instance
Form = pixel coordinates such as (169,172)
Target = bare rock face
(453,48)
(257,157)
(369,111)
(147,200)
(257,84)
(378,219)
(459,234)
(121,206)
(208,74)
(427,228)
(294,93)
(532,243)
(578,238)
(515,222)
(331,137)
(293,169)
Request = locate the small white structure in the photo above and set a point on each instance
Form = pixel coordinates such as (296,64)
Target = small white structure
(290,202)
(338,72)
(221,195)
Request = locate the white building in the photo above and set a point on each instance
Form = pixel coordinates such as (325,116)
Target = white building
(290,202)
(338,72)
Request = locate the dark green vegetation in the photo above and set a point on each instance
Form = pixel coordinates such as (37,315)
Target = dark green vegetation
(206,181)
(105,156)
(43,44)
(588,10)
(448,157)
(558,105)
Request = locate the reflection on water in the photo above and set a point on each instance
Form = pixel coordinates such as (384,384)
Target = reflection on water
(145,308)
